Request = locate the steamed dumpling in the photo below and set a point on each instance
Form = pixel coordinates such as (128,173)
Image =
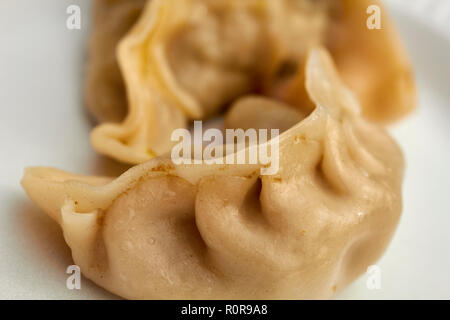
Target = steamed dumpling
(225,231)
(189,59)
(105,94)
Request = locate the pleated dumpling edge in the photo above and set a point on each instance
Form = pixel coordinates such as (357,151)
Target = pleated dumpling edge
(226,232)
(178,66)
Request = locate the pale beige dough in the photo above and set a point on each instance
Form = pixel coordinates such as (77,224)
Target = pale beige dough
(105,94)
(190,59)
(226,232)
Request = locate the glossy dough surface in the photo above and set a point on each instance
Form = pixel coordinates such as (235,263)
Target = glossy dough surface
(226,232)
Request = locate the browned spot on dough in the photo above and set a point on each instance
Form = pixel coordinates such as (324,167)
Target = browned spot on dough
(165,167)
(277,179)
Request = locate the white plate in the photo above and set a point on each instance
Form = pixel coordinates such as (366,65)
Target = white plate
(43,123)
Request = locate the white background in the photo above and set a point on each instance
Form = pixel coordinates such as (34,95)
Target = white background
(43,123)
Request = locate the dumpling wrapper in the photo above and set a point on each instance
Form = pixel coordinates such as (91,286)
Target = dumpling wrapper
(254,112)
(165,231)
(188,59)
(105,94)
(373,63)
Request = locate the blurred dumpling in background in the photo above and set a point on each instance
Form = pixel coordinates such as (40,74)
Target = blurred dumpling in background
(105,94)
(191,59)
(373,62)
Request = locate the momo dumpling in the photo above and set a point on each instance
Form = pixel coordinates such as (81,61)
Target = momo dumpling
(228,232)
(187,60)
(105,94)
